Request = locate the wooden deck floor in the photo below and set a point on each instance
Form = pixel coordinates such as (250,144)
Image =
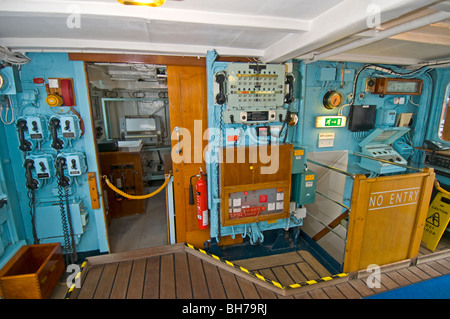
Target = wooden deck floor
(178,272)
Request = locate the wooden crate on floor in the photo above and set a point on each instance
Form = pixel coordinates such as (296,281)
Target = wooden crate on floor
(32,273)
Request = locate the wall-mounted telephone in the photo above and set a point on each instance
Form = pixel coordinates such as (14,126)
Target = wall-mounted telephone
(54,125)
(70,127)
(289,97)
(76,163)
(221,97)
(35,127)
(60,164)
(31,182)
(22,127)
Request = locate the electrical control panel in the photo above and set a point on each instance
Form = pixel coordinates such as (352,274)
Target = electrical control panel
(255,203)
(250,194)
(253,93)
(304,187)
(379,146)
(49,225)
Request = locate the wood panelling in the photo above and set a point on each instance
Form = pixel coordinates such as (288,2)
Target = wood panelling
(188,111)
(387,218)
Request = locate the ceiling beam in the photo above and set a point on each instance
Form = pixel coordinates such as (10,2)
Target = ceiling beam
(391,32)
(115,9)
(343,20)
(103,46)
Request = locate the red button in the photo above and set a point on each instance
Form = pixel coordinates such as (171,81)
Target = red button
(262,198)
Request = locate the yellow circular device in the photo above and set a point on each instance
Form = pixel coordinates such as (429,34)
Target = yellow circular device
(54,100)
(293,120)
(332,99)
(1,81)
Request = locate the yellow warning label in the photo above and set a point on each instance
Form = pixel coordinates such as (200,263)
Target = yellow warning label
(309,177)
(437,220)
(299,152)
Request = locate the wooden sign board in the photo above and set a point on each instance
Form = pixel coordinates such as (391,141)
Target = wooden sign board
(387,218)
(437,220)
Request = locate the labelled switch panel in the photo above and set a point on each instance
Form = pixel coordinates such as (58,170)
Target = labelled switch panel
(255,85)
(253,203)
(253,93)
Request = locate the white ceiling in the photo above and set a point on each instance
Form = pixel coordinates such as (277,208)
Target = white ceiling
(272,30)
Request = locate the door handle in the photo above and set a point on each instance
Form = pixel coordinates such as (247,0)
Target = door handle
(177,131)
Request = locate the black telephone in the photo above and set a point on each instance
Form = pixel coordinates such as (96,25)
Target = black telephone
(63,180)
(289,97)
(57,143)
(25,145)
(31,182)
(435,146)
(221,97)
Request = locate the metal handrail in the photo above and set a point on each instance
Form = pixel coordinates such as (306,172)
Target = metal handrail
(333,168)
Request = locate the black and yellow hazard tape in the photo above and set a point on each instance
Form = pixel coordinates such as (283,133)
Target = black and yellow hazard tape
(316,281)
(274,283)
(73,286)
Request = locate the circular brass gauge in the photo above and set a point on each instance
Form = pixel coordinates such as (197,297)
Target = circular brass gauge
(1,81)
(332,99)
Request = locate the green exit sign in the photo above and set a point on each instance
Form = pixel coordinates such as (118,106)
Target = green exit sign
(331,121)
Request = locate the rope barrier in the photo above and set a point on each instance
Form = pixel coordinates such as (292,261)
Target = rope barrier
(118,191)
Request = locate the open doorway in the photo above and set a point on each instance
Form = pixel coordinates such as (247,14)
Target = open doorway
(131,119)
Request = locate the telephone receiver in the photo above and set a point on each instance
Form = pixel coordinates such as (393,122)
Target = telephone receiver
(221,97)
(57,143)
(25,145)
(31,182)
(63,180)
(289,97)
(435,146)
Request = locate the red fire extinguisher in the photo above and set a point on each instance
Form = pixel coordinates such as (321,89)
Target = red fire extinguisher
(202,199)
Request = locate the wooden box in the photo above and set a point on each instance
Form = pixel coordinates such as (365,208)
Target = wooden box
(32,273)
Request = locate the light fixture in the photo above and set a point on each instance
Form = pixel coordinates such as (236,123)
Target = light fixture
(149,3)
(331,121)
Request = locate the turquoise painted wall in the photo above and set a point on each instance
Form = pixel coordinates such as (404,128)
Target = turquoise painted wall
(30,102)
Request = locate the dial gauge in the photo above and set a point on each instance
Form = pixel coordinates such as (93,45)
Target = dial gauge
(332,99)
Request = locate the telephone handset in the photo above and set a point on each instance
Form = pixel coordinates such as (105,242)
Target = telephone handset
(289,97)
(221,97)
(25,145)
(31,182)
(57,143)
(63,180)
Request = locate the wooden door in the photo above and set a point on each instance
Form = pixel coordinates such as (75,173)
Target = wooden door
(188,115)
